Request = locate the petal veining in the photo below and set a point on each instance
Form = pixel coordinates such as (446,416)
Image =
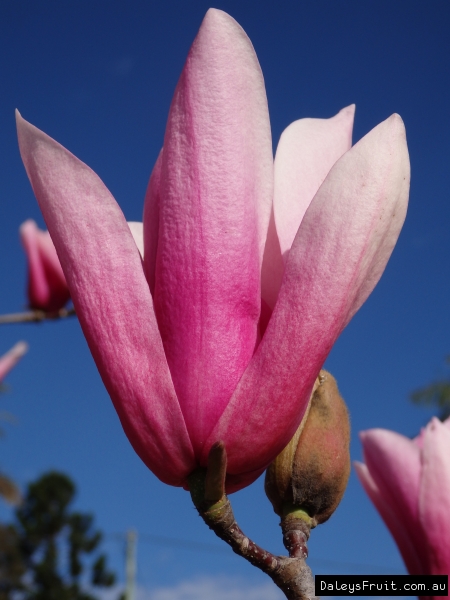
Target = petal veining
(104,272)
(151,222)
(215,198)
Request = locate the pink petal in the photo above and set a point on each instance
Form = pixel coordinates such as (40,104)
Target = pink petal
(216,192)
(419,439)
(151,222)
(271,272)
(340,252)
(402,535)
(11,358)
(47,287)
(307,150)
(111,296)
(394,463)
(434,505)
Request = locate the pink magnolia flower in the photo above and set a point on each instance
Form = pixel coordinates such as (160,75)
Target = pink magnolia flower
(11,358)
(409,483)
(47,287)
(234,246)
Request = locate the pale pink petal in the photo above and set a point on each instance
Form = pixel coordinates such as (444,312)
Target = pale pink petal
(419,439)
(338,255)
(216,193)
(11,358)
(403,535)
(434,502)
(38,289)
(151,222)
(137,231)
(47,287)
(307,150)
(111,296)
(271,272)
(394,463)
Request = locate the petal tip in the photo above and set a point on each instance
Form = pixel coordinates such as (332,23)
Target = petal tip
(362,435)
(348,111)
(20,349)
(217,21)
(215,14)
(27,226)
(21,123)
(396,122)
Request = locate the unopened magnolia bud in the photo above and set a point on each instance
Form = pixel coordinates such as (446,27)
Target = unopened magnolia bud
(309,477)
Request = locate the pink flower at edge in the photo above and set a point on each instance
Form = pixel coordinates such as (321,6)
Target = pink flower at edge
(179,338)
(409,483)
(9,360)
(47,287)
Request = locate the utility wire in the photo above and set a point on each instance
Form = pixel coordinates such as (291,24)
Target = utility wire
(163,540)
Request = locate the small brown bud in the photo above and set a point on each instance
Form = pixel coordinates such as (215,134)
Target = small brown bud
(310,475)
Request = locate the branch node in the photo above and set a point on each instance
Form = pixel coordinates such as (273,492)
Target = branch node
(291,575)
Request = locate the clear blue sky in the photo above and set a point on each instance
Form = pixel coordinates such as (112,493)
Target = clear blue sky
(98,76)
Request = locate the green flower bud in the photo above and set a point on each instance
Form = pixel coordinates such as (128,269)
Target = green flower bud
(308,479)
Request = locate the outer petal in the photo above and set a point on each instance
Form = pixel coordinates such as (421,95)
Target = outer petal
(216,191)
(434,505)
(402,535)
(47,287)
(307,150)
(111,296)
(394,464)
(340,252)
(151,222)
(11,358)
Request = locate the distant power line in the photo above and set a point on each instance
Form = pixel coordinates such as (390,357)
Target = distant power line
(163,540)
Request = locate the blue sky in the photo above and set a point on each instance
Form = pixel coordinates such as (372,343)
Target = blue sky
(98,76)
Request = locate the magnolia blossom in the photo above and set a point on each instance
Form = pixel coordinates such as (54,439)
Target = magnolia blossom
(47,287)
(409,483)
(11,358)
(251,267)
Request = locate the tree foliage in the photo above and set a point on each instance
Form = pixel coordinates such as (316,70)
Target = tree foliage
(49,553)
(435,394)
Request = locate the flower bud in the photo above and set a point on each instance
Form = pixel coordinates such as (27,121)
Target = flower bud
(310,475)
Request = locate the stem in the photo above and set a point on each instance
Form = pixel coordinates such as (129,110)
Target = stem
(37,316)
(291,574)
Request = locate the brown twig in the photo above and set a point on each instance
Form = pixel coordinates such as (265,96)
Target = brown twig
(291,574)
(37,316)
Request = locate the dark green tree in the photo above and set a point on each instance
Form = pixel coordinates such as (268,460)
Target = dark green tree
(435,394)
(56,547)
(12,566)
